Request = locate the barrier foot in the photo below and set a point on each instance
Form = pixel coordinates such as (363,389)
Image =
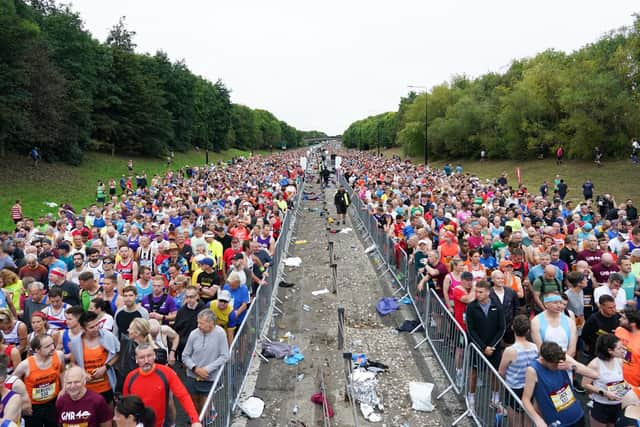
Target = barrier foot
(277,309)
(406,293)
(461,417)
(264,359)
(420,343)
(438,397)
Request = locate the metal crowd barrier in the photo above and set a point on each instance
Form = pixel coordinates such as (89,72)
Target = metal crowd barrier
(448,340)
(494,402)
(457,357)
(227,386)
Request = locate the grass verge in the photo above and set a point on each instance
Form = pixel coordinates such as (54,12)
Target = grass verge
(619,178)
(61,183)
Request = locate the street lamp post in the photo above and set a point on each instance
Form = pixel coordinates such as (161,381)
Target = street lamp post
(378,137)
(426,106)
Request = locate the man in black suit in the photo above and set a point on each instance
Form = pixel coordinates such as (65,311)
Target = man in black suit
(485,327)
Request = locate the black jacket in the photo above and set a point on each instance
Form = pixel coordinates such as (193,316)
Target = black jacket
(485,331)
(186,321)
(509,305)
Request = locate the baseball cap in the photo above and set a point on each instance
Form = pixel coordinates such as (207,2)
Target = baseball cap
(505,263)
(209,235)
(199,257)
(635,252)
(206,261)
(45,254)
(64,246)
(237,256)
(224,296)
(466,275)
(423,241)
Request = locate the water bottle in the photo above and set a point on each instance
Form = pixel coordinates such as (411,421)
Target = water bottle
(295,409)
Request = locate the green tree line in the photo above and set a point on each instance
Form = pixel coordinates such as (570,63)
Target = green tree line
(63,91)
(589,98)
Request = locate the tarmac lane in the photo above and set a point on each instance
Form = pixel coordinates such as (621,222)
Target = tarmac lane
(311,323)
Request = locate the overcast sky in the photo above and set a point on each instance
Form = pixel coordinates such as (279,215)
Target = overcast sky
(324,64)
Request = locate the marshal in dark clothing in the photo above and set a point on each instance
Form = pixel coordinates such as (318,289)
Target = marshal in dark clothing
(486,330)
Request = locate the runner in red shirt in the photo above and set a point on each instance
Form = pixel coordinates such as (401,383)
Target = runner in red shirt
(463,294)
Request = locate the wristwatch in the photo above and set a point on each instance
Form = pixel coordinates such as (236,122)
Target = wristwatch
(601,392)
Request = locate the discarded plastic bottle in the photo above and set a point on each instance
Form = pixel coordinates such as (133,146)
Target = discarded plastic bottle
(295,409)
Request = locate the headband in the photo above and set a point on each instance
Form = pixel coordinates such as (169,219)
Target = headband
(552,298)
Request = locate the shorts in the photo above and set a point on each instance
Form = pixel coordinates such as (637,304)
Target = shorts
(341,210)
(606,413)
(198,387)
(511,402)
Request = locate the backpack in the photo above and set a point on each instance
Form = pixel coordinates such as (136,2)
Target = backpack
(543,291)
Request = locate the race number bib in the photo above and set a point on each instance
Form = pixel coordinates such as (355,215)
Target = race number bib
(619,388)
(586,299)
(43,392)
(562,398)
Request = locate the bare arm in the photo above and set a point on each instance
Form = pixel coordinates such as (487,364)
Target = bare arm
(19,387)
(507,357)
(13,408)
(15,357)
(535,332)
(527,394)
(445,290)
(22,335)
(571,349)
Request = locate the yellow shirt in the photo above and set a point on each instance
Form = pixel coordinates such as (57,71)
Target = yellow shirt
(216,250)
(222,316)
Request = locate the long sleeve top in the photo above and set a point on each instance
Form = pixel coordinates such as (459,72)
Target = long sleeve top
(154,389)
(209,351)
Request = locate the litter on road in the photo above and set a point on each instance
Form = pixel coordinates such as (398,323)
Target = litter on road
(405,300)
(346,230)
(276,350)
(320,292)
(420,394)
(320,399)
(295,358)
(293,262)
(252,407)
(370,249)
(387,305)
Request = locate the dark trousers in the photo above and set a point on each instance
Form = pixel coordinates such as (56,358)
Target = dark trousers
(44,415)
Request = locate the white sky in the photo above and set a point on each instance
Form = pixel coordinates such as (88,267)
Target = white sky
(324,64)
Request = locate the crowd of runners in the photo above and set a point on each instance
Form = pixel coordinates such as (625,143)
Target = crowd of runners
(547,287)
(109,312)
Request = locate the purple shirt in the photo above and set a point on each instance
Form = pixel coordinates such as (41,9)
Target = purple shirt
(164,304)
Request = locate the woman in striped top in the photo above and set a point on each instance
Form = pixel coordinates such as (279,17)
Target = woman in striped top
(513,366)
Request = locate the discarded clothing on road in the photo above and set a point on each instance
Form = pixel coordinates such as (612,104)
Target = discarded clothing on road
(320,399)
(387,305)
(410,325)
(295,358)
(276,350)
